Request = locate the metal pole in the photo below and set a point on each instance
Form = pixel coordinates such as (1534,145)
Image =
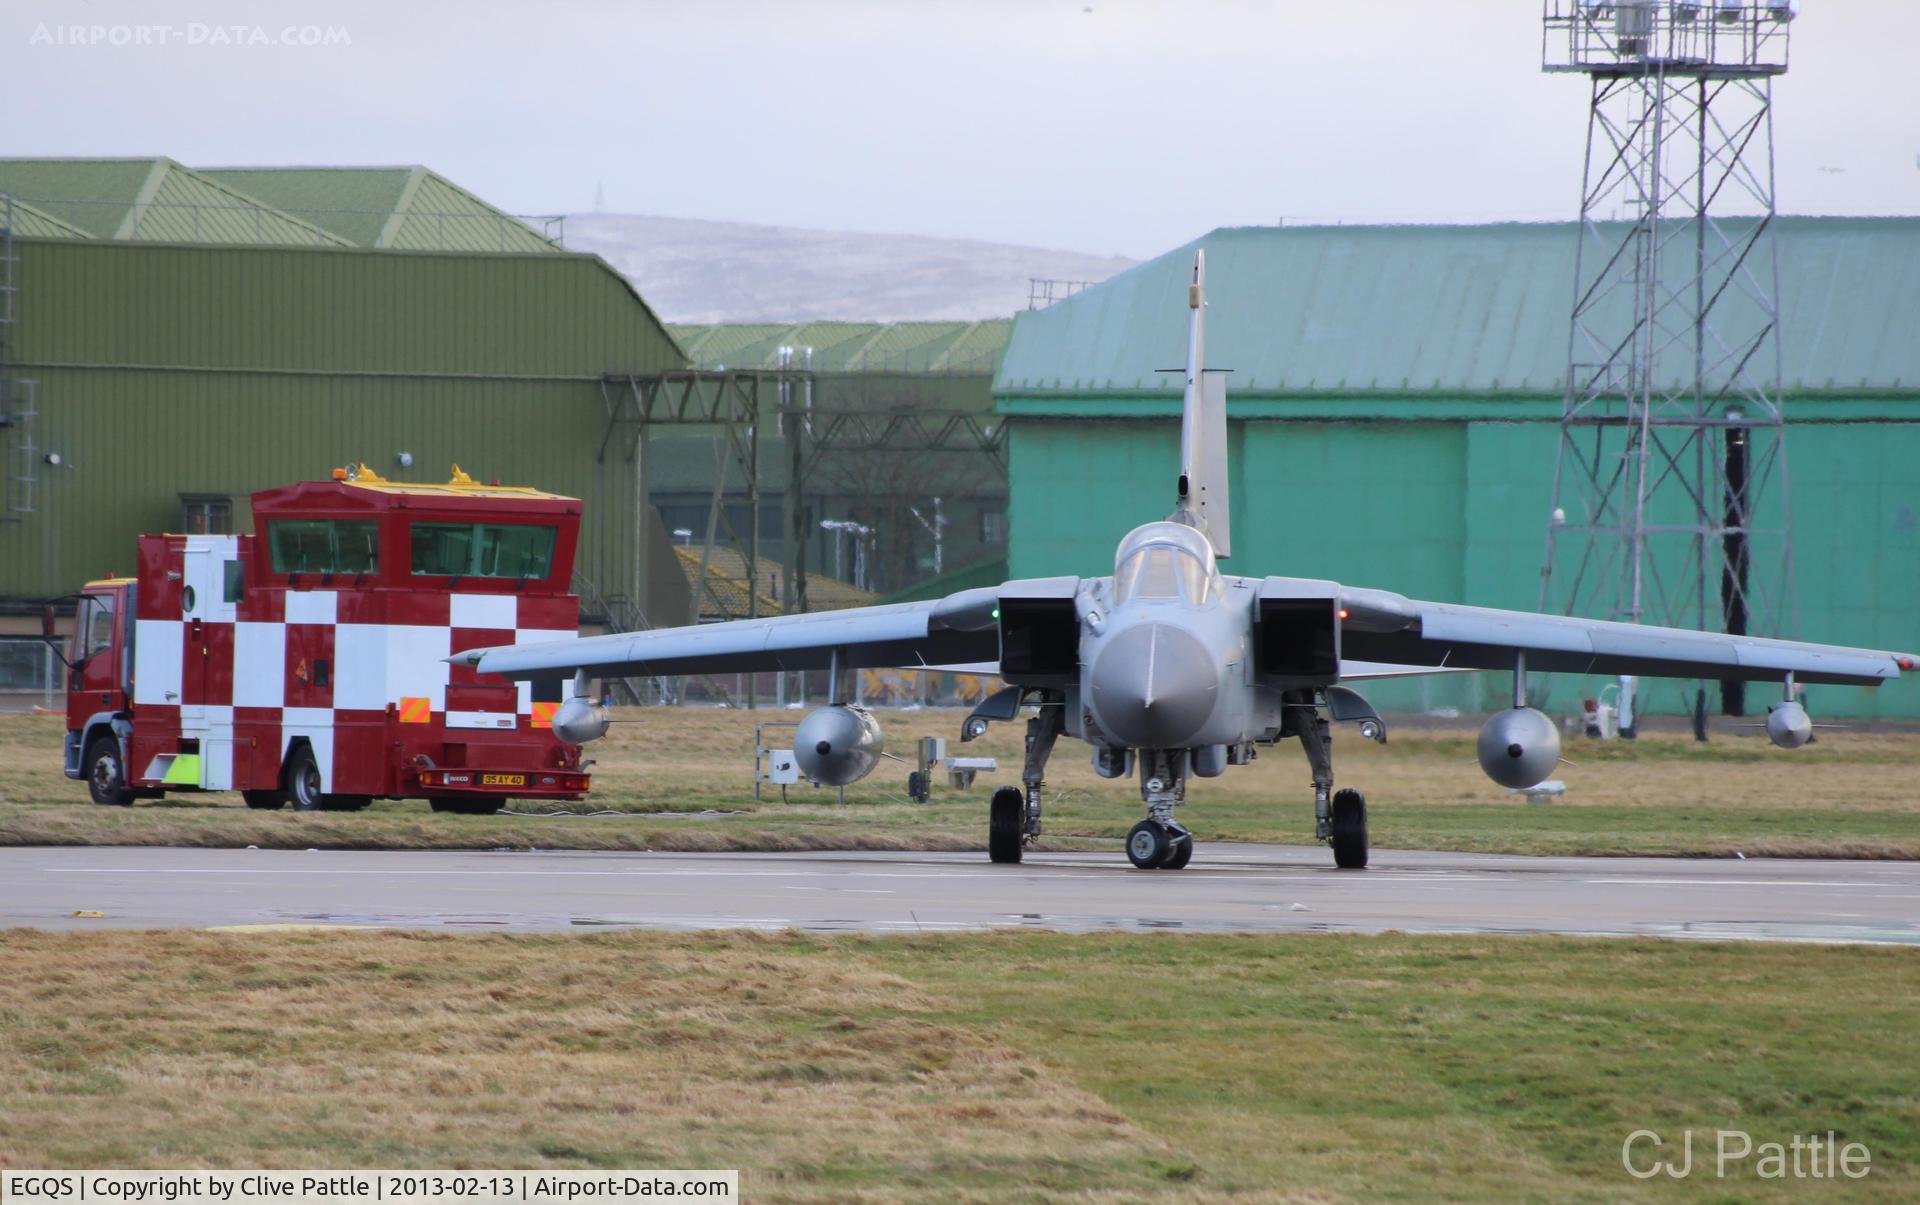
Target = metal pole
(753,525)
(713,523)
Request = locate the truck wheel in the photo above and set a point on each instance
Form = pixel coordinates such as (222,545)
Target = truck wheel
(106,772)
(303,782)
(265,801)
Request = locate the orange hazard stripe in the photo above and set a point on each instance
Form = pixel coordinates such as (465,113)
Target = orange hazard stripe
(543,714)
(416,711)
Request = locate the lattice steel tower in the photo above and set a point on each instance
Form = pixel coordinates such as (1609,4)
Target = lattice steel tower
(1670,494)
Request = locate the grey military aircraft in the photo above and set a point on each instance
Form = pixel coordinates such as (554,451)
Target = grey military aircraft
(1173,671)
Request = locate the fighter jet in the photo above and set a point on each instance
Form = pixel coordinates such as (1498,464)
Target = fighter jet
(1171,670)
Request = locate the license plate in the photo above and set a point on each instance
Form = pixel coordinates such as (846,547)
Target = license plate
(503,780)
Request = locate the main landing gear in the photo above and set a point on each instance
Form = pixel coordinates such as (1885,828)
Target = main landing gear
(1340,818)
(1013,816)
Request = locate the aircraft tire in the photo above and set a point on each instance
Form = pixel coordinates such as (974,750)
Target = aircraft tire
(1149,844)
(1350,830)
(1179,853)
(1006,825)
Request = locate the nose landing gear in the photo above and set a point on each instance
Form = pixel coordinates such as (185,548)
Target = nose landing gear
(1160,842)
(1152,845)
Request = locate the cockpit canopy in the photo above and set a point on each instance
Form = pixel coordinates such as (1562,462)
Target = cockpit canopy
(1165,561)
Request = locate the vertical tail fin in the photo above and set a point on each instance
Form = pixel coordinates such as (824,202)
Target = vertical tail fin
(1203,428)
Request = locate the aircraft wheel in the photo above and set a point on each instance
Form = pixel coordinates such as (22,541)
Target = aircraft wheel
(1180,853)
(1149,845)
(265,801)
(1350,830)
(916,789)
(107,773)
(1006,824)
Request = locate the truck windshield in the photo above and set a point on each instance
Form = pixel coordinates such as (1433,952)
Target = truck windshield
(324,546)
(516,550)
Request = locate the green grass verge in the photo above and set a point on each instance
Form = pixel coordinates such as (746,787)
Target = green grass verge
(681,779)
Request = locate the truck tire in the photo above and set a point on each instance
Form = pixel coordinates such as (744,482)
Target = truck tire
(106,772)
(302,781)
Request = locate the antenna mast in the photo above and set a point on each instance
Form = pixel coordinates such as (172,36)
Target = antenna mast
(1670,492)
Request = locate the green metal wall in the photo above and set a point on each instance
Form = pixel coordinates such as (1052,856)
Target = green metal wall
(1454,510)
(170,370)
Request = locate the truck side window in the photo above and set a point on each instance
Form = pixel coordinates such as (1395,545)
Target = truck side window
(324,546)
(99,623)
(236,581)
(516,550)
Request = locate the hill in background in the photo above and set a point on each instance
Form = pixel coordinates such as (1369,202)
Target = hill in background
(699,271)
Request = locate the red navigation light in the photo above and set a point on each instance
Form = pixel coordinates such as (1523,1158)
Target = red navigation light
(1343,612)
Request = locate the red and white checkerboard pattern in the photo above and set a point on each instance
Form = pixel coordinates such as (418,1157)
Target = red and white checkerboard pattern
(331,665)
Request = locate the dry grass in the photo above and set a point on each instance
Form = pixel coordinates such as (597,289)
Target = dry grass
(1851,795)
(368,1049)
(1010,1067)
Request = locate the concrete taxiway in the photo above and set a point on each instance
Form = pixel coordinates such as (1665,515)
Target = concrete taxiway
(1228,888)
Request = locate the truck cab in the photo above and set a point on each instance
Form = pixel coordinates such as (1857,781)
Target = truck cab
(99,688)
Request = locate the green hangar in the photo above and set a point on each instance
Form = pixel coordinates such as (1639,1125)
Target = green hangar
(174,340)
(1395,395)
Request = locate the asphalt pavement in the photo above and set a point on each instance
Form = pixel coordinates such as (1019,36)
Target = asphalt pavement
(1228,888)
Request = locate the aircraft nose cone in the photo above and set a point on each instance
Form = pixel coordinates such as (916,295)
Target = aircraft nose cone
(1153,686)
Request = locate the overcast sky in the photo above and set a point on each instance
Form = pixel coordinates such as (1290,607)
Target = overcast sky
(1128,128)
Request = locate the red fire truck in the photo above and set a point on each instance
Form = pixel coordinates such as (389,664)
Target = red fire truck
(307,663)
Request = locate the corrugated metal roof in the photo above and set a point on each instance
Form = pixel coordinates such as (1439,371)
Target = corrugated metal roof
(903,347)
(352,202)
(153,200)
(94,195)
(405,208)
(1444,310)
(27,222)
(183,206)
